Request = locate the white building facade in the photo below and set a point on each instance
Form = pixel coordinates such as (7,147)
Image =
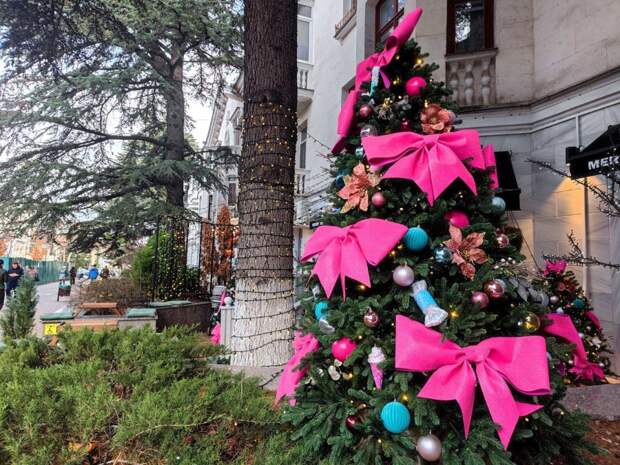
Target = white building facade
(533,76)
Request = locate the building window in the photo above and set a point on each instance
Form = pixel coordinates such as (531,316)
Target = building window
(232,192)
(387,14)
(470,26)
(304,32)
(303,142)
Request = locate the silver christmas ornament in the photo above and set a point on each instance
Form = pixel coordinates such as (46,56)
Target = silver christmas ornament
(403,275)
(325,327)
(368,130)
(559,310)
(581,335)
(429,447)
(554,299)
(334,373)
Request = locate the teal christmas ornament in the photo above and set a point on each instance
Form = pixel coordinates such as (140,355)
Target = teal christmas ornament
(416,239)
(395,417)
(442,255)
(320,309)
(499,205)
(339,181)
(579,304)
(359,152)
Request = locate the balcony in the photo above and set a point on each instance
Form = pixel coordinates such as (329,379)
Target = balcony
(471,77)
(304,85)
(346,24)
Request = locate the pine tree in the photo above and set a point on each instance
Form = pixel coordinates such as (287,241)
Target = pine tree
(567,297)
(82,80)
(361,400)
(18,317)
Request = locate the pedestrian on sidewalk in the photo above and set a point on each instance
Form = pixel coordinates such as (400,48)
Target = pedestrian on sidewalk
(105,273)
(72,275)
(93,273)
(14,274)
(2,283)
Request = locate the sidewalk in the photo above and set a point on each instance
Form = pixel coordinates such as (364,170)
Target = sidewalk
(47,303)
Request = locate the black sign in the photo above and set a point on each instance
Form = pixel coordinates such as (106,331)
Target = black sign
(601,156)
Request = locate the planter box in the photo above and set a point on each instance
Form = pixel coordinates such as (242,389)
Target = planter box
(600,402)
(183,313)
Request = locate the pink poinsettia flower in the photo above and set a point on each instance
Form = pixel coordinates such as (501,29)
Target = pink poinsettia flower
(557,267)
(355,191)
(466,252)
(436,119)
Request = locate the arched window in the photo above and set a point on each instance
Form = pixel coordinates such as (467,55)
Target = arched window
(470,26)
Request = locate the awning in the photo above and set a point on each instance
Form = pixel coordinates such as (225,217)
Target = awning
(509,189)
(601,156)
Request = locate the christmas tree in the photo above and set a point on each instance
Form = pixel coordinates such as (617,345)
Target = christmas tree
(17,319)
(416,344)
(591,348)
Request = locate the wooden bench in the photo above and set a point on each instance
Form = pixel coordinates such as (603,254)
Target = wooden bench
(100,308)
(96,324)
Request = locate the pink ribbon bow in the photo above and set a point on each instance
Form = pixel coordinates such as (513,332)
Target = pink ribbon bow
(216,334)
(364,72)
(433,161)
(488,155)
(563,326)
(292,375)
(346,252)
(520,361)
(554,267)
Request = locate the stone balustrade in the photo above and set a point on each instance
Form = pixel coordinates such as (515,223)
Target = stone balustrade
(471,77)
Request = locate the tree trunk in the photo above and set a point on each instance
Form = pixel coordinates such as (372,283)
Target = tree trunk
(262,325)
(175,128)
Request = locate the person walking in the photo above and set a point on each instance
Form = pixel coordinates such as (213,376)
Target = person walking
(93,273)
(105,273)
(72,275)
(2,283)
(14,274)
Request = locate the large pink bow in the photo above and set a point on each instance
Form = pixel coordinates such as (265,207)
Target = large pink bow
(563,326)
(216,334)
(292,375)
(346,252)
(558,267)
(364,72)
(488,155)
(433,161)
(520,361)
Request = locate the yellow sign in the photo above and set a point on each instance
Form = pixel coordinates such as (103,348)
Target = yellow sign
(50,329)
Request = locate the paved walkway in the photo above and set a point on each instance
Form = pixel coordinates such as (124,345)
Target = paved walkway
(47,303)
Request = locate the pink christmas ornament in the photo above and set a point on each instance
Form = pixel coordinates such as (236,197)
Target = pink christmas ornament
(376,357)
(365,111)
(378,199)
(480,298)
(342,348)
(457,218)
(414,86)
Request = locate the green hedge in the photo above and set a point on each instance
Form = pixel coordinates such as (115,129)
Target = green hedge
(136,396)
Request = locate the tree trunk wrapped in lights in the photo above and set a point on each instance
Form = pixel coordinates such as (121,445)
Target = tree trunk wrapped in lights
(262,324)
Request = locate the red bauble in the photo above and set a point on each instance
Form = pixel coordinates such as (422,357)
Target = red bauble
(371,318)
(351,421)
(480,299)
(378,199)
(405,125)
(414,86)
(365,110)
(342,348)
(457,218)
(494,289)
(502,240)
